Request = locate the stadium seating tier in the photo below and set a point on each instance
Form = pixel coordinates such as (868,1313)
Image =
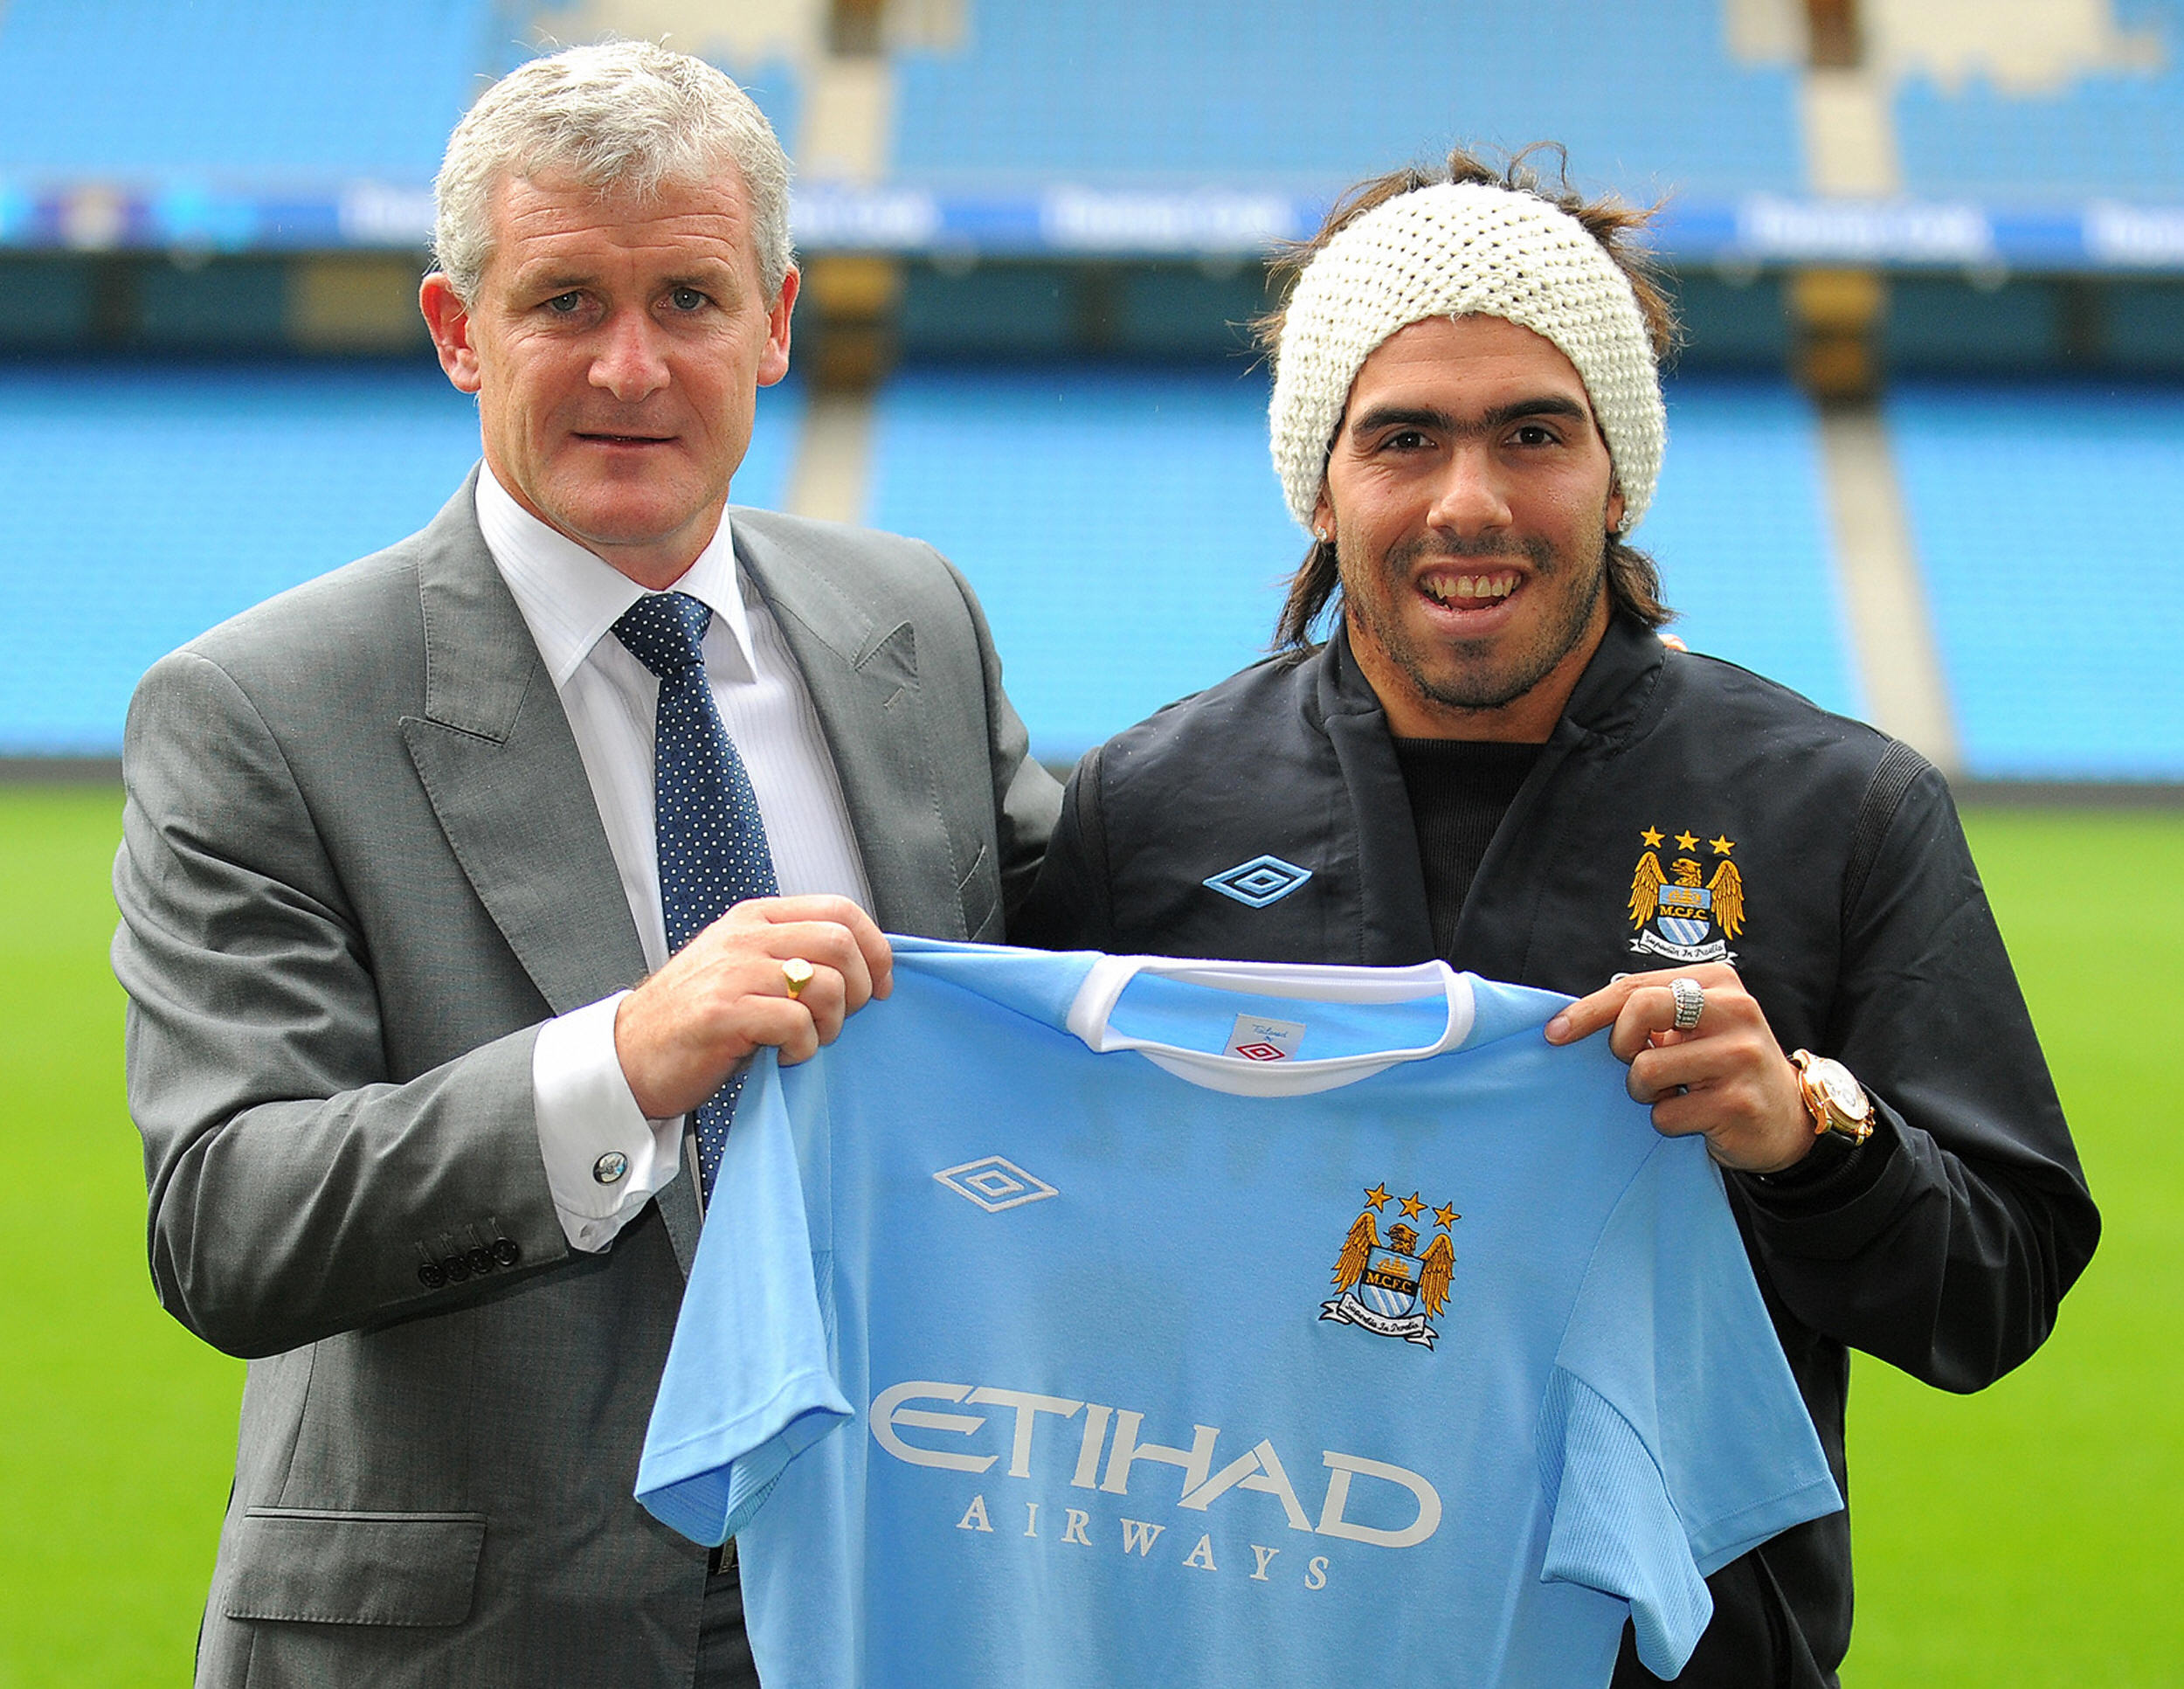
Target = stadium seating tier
(2045,521)
(139,506)
(238,90)
(2105,132)
(1315,92)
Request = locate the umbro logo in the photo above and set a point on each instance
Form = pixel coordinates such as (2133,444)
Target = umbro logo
(994,1183)
(1262,881)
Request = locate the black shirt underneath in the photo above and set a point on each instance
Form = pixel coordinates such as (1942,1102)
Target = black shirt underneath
(1460,789)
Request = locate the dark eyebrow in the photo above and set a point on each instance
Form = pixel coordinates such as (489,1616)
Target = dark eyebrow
(1440,422)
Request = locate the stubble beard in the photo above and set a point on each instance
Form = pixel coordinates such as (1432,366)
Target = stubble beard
(1480,679)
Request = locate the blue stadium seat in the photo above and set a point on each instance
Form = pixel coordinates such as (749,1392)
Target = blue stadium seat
(1126,536)
(2045,517)
(138,507)
(1312,93)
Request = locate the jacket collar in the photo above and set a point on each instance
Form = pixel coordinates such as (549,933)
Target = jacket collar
(1614,697)
(1618,695)
(1612,701)
(479,659)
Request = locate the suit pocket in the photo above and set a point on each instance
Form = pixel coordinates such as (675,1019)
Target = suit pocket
(319,1567)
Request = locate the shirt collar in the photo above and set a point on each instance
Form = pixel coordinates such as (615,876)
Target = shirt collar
(570,597)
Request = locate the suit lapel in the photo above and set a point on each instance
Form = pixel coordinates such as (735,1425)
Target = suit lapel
(502,771)
(861,671)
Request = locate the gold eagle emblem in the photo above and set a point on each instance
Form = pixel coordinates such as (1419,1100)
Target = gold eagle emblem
(1436,1266)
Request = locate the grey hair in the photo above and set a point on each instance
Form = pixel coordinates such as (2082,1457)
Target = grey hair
(623,114)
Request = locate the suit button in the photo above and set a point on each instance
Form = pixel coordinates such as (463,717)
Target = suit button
(610,1167)
(505,1252)
(456,1267)
(481,1261)
(430,1277)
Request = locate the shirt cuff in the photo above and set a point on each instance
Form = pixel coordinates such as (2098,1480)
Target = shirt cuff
(603,1158)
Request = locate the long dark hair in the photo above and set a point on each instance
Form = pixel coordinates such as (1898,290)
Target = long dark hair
(1633,582)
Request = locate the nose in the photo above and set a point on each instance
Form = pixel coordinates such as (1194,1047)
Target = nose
(1469,500)
(628,363)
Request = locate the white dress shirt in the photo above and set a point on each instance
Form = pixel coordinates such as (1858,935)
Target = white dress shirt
(570,601)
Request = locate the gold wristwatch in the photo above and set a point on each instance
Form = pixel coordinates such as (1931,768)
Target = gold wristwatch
(1838,1103)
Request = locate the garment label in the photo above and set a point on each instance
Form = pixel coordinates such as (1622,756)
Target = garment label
(1259,1040)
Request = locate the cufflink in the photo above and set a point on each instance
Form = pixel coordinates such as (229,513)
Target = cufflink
(610,1167)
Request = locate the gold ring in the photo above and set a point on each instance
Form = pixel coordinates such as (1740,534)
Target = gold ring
(796,974)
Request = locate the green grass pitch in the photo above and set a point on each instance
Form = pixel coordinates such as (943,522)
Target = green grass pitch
(2020,1537)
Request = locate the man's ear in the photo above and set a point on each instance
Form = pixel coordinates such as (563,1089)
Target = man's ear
(1324,518)
(448,319)
(773,363)
(1615,510)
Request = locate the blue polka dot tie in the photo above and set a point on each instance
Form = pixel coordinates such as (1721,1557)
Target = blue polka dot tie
(711,839)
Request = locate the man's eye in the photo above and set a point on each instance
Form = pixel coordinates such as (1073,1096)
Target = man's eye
(565,304)
(1534,434)
(1408,440)
(686,299)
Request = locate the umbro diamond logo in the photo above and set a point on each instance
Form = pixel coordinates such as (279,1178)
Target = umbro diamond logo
(995,1183)
(1262,881)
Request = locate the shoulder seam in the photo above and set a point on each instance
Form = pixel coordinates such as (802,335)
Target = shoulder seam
(1884,791)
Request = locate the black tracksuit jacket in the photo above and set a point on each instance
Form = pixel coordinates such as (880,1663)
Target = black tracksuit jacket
(1943,1246)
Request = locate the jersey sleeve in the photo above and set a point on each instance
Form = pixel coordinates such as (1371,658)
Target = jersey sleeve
(1672,1438)
(749,1385)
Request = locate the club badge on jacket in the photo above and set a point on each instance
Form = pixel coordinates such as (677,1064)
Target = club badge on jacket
(1680,911)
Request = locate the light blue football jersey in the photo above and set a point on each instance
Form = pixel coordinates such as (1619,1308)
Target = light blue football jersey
(1081,1321)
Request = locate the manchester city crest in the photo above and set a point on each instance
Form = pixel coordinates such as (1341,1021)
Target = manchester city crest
(1690,910)
(1390,1286)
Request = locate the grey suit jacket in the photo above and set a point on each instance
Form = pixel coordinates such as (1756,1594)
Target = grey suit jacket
(361,864)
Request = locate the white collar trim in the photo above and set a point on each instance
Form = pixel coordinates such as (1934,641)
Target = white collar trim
(1106,980)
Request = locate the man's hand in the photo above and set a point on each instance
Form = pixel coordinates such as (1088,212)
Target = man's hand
(1726,1078)
(723,995)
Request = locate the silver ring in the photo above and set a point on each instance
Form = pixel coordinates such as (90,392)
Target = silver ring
(1691,1002)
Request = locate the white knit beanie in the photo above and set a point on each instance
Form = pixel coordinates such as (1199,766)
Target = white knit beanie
(1461,249)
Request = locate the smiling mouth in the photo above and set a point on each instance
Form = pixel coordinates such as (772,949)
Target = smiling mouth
(1471,590)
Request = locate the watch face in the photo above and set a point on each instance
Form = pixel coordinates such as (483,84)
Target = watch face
(1834,1081)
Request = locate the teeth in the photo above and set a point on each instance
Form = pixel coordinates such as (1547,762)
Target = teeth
(1441,589)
